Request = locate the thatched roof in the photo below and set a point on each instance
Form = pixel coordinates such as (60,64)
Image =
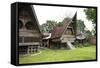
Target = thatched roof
(31,11)
(47,35)
(80,36)
(58,31)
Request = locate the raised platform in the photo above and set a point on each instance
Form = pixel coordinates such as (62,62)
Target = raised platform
(26,44)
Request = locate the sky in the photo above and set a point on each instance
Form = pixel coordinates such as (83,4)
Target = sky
(55,13)
(81,15)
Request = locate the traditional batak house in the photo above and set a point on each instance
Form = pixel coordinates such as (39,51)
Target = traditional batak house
(63,37)
(80,37)
(46,40)
(29,33)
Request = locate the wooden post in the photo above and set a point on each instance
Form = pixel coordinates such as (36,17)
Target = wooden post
(36,48)
(28,49)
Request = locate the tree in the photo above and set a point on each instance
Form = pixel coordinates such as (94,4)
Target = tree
(48,26)
(65,20)
(44,27)
(80,26)
(88,33)
(60,24)
(91,15)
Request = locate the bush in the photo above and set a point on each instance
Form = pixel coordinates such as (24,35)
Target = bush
(80,45)
(88,44)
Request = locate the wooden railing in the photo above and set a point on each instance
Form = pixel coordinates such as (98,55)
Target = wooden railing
(31,43)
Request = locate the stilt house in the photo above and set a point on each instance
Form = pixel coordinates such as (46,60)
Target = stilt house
(63,37)
(30,36)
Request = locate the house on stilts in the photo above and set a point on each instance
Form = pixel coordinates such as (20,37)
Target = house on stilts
(46,40)
(30,36)
(63,37)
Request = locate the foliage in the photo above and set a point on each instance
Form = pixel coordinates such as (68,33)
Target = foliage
(88,44)
(48,55)
(88,33)
(48,26)
(94,31)
(60,24)
(79,45)
(80,26)
(91,14)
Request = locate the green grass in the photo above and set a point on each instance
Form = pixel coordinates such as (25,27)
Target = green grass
(48,55)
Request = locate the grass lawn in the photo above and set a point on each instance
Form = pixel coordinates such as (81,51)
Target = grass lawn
(48,55)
